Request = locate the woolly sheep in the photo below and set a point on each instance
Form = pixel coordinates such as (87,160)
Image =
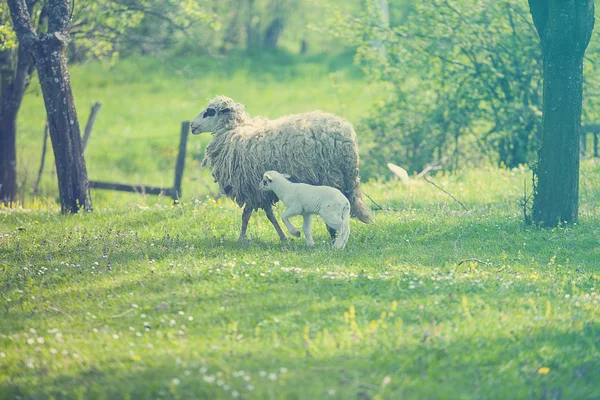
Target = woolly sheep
(306,200)
(315,148)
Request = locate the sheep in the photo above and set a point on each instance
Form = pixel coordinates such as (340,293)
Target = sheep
(306,200)
(315,148)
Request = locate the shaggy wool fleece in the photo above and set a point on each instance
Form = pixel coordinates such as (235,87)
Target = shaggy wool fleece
(316,148)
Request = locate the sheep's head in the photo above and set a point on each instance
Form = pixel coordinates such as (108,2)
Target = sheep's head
(220,112)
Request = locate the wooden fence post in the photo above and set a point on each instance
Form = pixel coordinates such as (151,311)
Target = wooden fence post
(594,129)
(176,191)
(90,124)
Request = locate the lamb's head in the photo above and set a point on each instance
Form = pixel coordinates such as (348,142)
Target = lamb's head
(220,113)
(271,178)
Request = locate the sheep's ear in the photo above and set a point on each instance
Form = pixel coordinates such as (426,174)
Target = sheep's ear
(286,176)
(225,110)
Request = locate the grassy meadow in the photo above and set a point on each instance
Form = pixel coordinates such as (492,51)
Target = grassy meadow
(143,300)
(155,301)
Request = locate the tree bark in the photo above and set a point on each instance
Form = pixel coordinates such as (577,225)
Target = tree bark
(49,54)
(8,159)
(565,29)
(16,68)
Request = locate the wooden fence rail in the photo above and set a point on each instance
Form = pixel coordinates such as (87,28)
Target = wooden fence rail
(173,192)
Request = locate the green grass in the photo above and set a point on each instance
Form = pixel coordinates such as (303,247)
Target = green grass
(152,301)
(140,299)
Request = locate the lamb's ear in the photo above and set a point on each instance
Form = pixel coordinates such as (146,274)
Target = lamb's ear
(286,176)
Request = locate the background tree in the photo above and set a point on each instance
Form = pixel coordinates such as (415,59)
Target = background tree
(565,29)
(466,78)
(99,29)
(94,31)
(49,54)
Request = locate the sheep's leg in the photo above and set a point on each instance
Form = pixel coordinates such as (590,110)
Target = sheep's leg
(245,218)
(306,227)
(271,216)
(332,233)
(290,212)
(341,223)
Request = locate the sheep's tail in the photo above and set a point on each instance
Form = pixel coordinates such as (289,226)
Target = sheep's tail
(358,208)
(352,190)
(344,231)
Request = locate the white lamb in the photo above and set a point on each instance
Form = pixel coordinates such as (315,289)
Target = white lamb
(306,200)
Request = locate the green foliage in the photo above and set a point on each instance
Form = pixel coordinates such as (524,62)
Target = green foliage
(467,81)
(103,28)
(147,301)
(591,83)
(8,38)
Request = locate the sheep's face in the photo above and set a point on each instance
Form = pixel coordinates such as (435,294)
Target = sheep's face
(209,119)
(266,182)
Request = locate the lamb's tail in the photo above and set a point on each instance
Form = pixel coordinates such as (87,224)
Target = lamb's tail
(358,208)
(344,231)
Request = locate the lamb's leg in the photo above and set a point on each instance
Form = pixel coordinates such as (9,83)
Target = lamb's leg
(245,218)
(271,216)
(306,227)
(290,212)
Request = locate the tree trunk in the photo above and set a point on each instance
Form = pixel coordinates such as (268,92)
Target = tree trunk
(16,68)
(272,34)
(232,33)
(49,54)
(8,157)
(565,29)
(251,29)
(558,166)
(381,17)
(64,127)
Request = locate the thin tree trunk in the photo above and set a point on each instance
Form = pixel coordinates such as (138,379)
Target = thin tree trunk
(42,162)
(16,69)
(8,158)
(251,29)
(565,30)
(232,33)
(383,16)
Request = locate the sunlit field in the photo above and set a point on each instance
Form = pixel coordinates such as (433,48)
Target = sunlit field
(447,295)
(149,300)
